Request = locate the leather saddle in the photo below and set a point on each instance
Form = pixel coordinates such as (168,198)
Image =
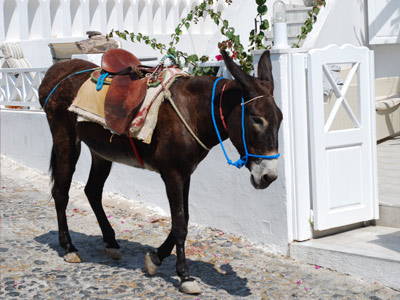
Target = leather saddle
(127,89)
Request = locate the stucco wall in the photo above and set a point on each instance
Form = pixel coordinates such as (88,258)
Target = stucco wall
(347,23)
(221,196)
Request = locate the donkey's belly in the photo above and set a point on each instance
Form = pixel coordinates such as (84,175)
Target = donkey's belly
(113,147)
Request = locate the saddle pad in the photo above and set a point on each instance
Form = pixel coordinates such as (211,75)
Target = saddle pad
(143,124)
(89,106)
(89,103)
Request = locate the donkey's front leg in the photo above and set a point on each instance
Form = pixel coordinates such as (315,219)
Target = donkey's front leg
(177,191)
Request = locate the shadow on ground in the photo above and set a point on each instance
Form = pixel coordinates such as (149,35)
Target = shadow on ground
(91,250)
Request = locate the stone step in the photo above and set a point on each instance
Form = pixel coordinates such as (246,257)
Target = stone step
(370,253)
(388,156)
(295,16)
(293,29)
(389,215)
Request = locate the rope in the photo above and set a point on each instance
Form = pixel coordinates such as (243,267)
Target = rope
(53,90)
(168,96)
(252,99)
(100,81)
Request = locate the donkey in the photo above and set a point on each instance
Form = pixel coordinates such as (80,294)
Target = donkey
(249,117)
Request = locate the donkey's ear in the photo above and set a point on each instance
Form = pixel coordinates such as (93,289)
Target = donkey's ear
(265,67)
(243,78)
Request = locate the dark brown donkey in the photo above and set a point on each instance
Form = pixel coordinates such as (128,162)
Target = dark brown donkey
(173,152)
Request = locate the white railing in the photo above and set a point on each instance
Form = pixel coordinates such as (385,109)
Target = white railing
(32,19)
(19,87)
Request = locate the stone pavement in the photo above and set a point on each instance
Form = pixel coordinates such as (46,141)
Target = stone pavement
(226,267)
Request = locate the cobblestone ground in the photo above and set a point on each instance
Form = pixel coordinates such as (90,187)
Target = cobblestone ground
(225,266)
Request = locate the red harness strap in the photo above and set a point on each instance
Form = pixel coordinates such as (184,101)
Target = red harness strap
(220,108)
(136,152)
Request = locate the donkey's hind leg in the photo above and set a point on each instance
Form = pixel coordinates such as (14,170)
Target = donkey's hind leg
(64,156)
(99,172)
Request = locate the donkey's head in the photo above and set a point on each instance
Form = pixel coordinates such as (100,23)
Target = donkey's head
(262,119)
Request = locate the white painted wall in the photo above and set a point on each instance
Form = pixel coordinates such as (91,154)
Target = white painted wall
(221,196)
(346,22)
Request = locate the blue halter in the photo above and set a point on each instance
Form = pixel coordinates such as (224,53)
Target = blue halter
(243,160)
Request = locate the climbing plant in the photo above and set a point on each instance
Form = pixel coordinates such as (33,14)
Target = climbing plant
(232,44)
(308,24)
(257,34)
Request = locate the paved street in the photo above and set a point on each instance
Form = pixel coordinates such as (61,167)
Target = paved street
(226,267)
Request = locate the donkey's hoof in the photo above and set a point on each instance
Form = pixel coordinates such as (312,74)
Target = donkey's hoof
(152,263)
(189,286)
(114,253)
(72,257)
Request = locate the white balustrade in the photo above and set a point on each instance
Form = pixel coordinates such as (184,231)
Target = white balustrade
(42,19)
(19,87)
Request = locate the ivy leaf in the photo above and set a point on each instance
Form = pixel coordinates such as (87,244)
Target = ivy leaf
(229,35)
(261,2)
(264,25)
(193,57)
(204,58)
(187,25)
(262,10)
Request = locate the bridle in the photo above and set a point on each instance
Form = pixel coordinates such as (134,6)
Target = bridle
(243,160)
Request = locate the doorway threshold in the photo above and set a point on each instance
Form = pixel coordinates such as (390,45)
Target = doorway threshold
(369,253)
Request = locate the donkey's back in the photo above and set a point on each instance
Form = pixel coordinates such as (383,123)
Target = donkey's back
(62,88)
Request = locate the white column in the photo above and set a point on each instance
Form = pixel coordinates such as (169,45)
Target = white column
(66,15)
(103,16)
(85,16)
(22,7)
(46,19)
(2,27)
(120,14)
(290,95)
(149,9)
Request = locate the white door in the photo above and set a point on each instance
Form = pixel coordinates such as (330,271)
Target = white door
(342,136)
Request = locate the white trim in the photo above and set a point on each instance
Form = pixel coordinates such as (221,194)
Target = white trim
(301,194)
(380,17)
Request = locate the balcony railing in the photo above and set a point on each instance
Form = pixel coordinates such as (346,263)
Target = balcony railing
(32,19)
(19,88)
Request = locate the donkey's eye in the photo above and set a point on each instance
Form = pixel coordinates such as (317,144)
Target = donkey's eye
(258,121)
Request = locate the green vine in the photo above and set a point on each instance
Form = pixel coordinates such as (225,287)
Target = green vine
(257,34)
(232,44)
(308,24)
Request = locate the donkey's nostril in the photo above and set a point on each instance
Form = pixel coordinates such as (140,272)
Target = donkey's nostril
(269,178)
